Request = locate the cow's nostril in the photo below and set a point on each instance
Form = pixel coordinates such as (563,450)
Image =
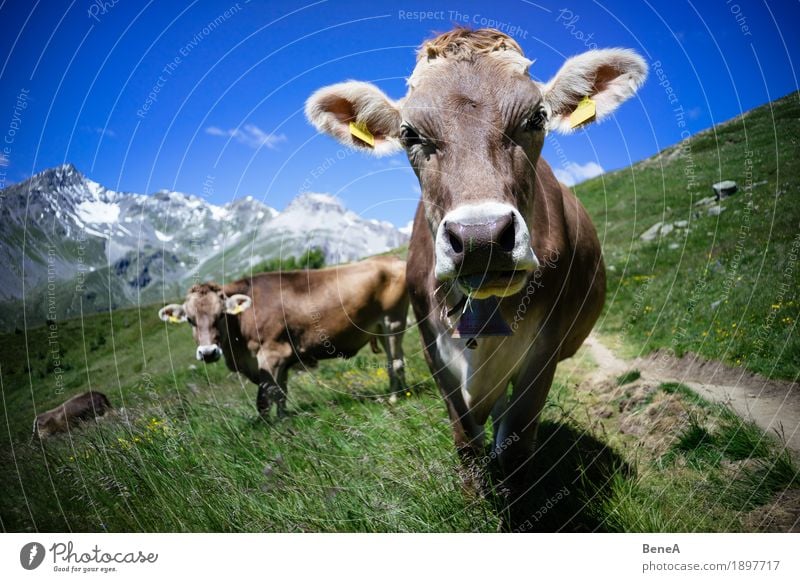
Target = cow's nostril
(455,241)
(507,237)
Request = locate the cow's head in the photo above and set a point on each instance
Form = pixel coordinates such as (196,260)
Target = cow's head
(205,308)
(473,124)
(45,425)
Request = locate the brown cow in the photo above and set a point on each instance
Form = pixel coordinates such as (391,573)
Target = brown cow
(265,324)
(83,407)
(496,237)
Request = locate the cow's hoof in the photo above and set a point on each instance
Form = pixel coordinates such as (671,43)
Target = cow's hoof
(473,482)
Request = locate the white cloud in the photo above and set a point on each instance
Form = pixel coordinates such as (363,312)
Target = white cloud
(104,132)
(573,173)
(408,228)
(249,135)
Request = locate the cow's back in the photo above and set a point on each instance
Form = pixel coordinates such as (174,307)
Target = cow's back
(82,407)
(327,312)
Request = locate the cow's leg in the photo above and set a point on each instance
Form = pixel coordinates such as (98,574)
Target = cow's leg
(498,413)
(265,392)
(515,441)
(268,390)
(392,341)
(280,397)
(467,434)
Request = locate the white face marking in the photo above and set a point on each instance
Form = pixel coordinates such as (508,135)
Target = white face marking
(522,254)
(204,352)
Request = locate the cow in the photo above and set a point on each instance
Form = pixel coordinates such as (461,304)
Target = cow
(265,324)
(499,246)
(82,407)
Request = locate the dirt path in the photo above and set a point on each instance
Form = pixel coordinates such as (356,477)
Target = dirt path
(773,405)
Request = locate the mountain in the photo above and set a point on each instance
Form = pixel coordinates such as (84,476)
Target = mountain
(69,244)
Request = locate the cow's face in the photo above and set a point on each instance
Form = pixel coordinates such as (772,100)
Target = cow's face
(473,124)
(205,309)
(45,425)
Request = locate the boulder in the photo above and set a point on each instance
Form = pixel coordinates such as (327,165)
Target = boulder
(724,189)
(706,201)
(651,233)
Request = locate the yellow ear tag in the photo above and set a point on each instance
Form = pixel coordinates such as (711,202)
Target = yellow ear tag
(359,131)
(584,112)
(237,310)
(174,319)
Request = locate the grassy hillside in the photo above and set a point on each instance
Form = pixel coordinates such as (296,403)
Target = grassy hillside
(188,452)
(727,286)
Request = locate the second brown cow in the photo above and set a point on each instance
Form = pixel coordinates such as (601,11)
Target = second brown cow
(265,324)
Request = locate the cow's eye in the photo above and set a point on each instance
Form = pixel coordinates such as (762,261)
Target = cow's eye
(410,137)
(536,120)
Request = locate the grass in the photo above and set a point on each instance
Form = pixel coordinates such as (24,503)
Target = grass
(188,452)
(726,287)
(628,377)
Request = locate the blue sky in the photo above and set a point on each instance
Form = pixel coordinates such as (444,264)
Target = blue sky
(207,97)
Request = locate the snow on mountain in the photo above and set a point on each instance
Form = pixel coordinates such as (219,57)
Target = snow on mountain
(96,211)
(60,226)
(321,220)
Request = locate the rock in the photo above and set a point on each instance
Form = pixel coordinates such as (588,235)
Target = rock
(715,210)
(674,246)
(724,189)
(755,184)
(681,224)
(652,232)
(706,201)
(666,229)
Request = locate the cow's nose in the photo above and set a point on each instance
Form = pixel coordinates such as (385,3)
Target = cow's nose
(470,241)
(485,245)
(482,238)
(209,353)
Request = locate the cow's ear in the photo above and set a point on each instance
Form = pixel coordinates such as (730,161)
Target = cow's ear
(358,115)
(591,86)
(172,313)
(235,304)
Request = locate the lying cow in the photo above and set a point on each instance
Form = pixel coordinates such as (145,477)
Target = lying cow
(83,407)
(265,324)
(499,246)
